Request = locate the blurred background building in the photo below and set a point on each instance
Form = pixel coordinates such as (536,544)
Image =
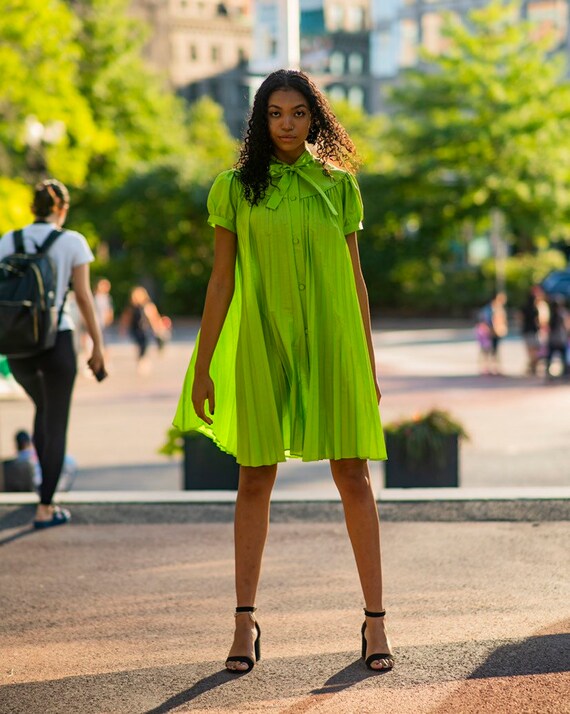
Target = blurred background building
(353,48)
(401,28)
(203,47)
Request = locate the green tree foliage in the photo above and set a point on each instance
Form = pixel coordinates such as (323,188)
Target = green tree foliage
(156,221)
(485,126)
(15,199)
(212,149)
(370,136)
(482,126)
(45,121)
(127,100)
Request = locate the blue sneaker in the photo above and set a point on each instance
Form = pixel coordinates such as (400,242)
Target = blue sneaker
(59,518)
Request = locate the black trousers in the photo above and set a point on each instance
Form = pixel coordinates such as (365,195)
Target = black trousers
(48,378)
(561,351)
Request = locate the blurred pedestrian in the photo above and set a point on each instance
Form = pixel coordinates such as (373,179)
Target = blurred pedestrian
(48,376)
(530,329)
(104,309)
(25,451)
(286,338)
(557,336)
(543,320)
(494,317)
(142,321)
(104,304)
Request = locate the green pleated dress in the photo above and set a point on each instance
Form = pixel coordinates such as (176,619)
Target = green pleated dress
(291,368)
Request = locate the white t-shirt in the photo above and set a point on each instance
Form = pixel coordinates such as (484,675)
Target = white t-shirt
(69,250)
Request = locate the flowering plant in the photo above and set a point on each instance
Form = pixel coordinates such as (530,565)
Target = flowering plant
(425,434)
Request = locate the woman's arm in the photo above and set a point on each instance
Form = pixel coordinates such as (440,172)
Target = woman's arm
(84,299)
(153,317)
(218,298)
(363,302)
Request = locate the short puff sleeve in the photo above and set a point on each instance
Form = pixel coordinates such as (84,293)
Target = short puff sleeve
(223,201)
(353,211)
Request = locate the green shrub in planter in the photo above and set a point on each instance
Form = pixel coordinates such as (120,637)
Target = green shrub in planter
(205,466)
(423,451)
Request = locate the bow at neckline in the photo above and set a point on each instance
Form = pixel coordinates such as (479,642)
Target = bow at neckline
(284,173)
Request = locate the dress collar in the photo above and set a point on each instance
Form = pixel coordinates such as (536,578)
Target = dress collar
(284,173)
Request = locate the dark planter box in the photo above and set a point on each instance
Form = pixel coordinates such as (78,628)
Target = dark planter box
(434,470)
(206,467)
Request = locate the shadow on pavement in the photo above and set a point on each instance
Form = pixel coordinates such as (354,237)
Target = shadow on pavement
(17,517)
(545,654)
(28,530)
(410,383)
(308,680)
(347,677)
(521,676)
(204,685)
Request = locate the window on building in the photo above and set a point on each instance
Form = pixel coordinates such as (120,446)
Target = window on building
(356,96)
(335,19)
(336,63)
(215,53)
(355,63)
(242,56)
(193,53)
(336,93)
(409,43)
(550,17)
(431,32)
(356,17)
(214,90)
(384,53)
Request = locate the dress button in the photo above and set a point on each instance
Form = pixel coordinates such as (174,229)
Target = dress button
(295,240)
(301,286)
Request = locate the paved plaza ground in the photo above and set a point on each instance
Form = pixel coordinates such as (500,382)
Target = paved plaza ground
(519,426)
(137,619)
(128,610)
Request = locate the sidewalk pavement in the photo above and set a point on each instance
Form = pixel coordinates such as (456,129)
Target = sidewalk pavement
(518,425)
(133,618)
(128,610)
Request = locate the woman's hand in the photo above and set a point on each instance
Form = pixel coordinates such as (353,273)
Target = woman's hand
(96,362)
(202,390)
(378,392)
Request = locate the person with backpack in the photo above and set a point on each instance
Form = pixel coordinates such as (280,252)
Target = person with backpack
(37,264)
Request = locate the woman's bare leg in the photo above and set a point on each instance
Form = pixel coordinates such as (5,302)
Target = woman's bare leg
(352,479)
(251,525)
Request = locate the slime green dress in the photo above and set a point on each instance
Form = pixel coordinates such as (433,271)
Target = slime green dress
(291,367)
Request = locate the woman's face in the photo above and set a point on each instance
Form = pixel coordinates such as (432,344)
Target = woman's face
(289,120)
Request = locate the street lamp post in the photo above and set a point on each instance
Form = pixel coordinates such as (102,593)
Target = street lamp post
(500,249)
(38,135)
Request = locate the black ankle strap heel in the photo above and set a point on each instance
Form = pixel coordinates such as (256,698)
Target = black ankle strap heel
(257,644)
(376,656)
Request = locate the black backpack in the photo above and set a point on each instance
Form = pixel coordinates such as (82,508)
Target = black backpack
(29,318)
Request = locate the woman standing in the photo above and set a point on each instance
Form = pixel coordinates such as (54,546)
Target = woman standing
(284,357)
(48,377)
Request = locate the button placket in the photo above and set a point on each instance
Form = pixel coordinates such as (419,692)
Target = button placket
(297,244)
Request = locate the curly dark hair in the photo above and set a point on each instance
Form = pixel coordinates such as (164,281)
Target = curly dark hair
(328,136)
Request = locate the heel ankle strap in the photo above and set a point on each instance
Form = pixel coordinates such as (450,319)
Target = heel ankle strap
(240,610)
(368,613)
